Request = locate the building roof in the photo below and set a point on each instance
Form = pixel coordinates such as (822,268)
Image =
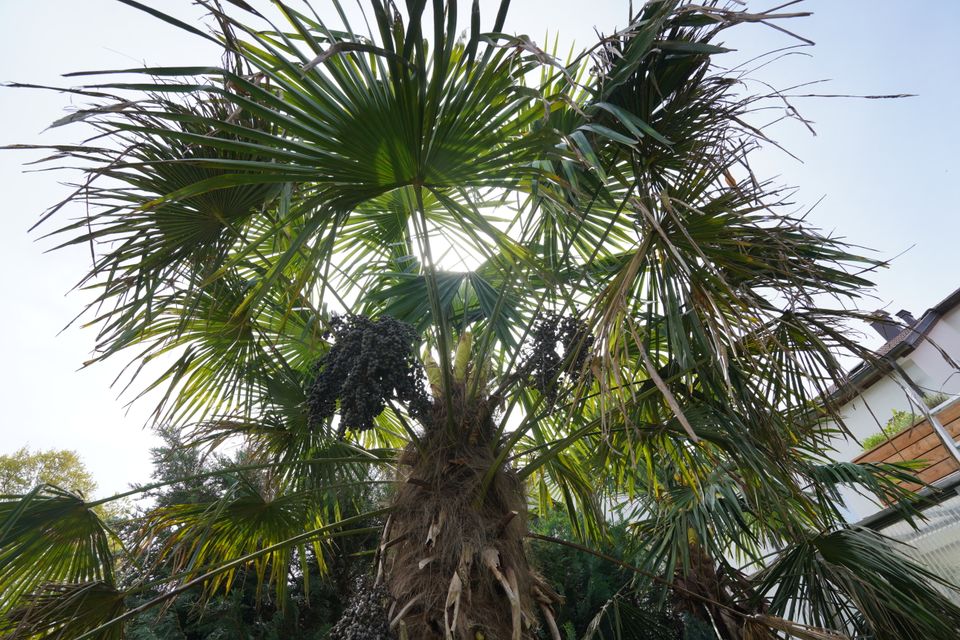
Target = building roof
(862,376)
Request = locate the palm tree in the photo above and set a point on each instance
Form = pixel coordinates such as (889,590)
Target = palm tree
(491,280)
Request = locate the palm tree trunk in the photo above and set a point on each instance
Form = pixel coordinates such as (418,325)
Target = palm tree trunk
(719,599)
(452,552)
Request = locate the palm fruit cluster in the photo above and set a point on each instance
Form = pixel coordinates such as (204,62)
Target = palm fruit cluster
(366,616)
(369,363)
(550,368)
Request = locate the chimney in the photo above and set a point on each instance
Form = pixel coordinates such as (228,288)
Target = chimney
(885,325)
(907,317)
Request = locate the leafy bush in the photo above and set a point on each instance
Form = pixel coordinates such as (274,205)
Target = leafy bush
(901,421)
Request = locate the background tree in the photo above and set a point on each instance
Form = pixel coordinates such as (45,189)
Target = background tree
(491,280)
(23,470)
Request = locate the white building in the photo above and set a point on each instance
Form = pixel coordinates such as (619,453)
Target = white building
(927,350)
(921,357)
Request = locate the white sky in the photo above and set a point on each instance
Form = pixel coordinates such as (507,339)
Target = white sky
(887,169)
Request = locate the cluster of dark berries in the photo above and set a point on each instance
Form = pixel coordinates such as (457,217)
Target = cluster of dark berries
(369,363)
(366,616)
(550,368)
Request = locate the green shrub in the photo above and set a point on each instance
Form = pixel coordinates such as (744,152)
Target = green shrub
(901,421)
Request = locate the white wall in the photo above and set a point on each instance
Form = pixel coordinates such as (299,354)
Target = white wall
(865,414)
(941,375)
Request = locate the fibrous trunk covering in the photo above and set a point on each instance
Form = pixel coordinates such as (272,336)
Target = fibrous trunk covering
(452,554)
(720,597)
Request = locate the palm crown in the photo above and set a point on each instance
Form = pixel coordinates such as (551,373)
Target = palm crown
(496,279)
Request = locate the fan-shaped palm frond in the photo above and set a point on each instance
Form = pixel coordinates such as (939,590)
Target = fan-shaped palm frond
(197,537)
(66,611)
(858,581)
(50,536)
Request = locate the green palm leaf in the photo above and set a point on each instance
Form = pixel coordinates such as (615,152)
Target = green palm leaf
(246,520)
(857,579)
(50,536)
(66,611)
